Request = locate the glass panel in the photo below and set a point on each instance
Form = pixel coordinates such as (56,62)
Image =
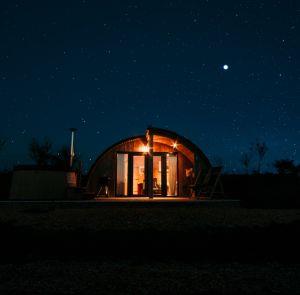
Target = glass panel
(138,187)
(122,174)
(157,175)
(172,175)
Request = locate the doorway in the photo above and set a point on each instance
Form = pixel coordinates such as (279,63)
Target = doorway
(157,176)
(172,177)
(133,172)
(138,175)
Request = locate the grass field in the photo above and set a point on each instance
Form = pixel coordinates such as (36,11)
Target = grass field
(149,250)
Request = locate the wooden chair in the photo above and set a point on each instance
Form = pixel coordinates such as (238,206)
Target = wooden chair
(206,183)
(103,189)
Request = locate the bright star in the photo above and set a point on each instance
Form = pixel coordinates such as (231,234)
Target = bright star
(225,67)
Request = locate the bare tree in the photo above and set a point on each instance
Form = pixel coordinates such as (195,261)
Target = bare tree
(260,148)
(40,152)
(246,160)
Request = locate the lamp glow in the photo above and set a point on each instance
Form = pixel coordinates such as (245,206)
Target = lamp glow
(144,149)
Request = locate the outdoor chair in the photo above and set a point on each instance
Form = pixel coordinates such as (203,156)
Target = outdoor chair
(103,189)
(206,183)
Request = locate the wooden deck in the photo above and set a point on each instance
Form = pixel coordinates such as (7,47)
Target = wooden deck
(146,199)
(123,201)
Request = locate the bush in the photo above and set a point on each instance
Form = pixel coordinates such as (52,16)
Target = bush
(264,191)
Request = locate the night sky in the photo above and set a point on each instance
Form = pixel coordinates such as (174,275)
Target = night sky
(111,68)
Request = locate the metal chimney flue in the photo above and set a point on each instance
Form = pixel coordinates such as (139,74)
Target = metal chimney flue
(72,148)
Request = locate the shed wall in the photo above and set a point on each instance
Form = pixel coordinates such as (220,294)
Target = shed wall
(40,184)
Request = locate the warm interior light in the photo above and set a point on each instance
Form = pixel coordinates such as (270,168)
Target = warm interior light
(144,149)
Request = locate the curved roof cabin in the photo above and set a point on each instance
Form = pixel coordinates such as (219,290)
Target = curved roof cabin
(159,163)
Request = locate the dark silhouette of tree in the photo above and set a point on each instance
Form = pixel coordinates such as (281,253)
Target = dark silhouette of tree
(246,160)
(41,152)
(285,166)
(260,149)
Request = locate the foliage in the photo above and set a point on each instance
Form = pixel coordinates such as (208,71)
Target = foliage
(285,166)
(41,153)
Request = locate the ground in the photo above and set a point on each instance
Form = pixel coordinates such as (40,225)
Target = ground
(141,249)
(131,277)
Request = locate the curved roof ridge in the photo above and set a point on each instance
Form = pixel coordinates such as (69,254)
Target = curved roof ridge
(162,132)
(176,136)
(112,146)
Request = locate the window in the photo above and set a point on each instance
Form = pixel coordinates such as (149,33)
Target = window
(122,174)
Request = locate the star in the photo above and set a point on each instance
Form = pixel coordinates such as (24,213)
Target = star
(225,67)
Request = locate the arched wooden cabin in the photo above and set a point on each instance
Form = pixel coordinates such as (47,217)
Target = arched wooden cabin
(159,163)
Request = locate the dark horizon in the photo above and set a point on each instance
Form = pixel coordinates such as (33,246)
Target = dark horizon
(111,70)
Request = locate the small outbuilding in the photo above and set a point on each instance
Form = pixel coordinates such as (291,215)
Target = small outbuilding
(158,163)
(42,183)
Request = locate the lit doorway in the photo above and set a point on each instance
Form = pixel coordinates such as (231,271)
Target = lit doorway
(157,176)
(172,183)
(138,175)
(132,178)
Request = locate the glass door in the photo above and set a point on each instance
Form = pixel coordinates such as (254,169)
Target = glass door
(138,175)
(131,175)
(157,175)
(172,183)
(122,174)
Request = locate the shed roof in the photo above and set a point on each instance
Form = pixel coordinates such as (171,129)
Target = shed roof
(167,137)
